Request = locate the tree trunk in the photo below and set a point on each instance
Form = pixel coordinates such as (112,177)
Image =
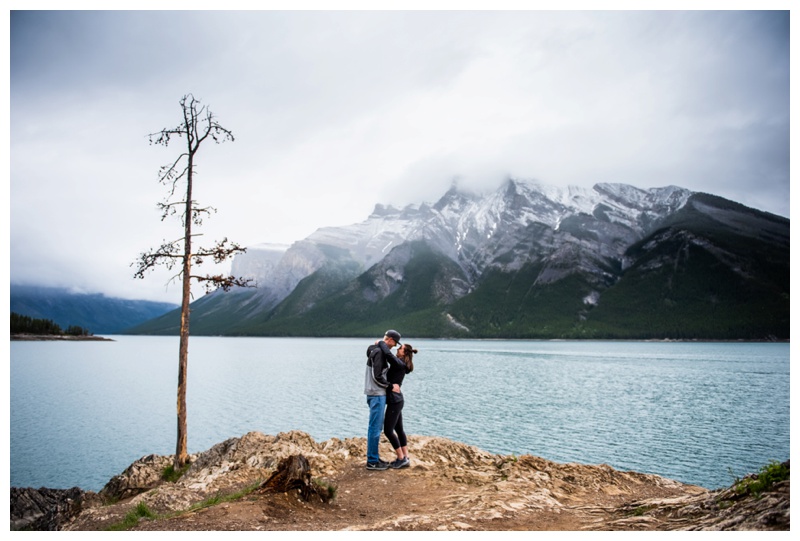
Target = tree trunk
(181,453)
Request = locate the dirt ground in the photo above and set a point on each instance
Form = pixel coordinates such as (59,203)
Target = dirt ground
(382,500)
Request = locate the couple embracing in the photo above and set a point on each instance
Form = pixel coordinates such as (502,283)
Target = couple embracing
(385,373)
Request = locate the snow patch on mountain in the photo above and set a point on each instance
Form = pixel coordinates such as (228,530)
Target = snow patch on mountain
(573,228)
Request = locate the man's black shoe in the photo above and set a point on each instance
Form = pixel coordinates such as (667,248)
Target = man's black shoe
(378,466)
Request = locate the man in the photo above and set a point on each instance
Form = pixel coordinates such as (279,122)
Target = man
(379,356)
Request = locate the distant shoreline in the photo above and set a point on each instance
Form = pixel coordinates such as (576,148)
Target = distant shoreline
(68,338)
(62,337)
(496,339)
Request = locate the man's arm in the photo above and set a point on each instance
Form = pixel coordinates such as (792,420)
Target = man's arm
(379,372)
(386,350)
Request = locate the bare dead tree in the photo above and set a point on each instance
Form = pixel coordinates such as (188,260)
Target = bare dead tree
(197,126)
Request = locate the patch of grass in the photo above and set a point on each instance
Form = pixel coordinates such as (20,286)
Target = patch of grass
(641,510)
(326,490)
(218,498)
(770,474)
(142,511)
(132,518)
(724,504)
(171,475)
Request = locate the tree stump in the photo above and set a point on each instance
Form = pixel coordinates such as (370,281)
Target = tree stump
(294,473)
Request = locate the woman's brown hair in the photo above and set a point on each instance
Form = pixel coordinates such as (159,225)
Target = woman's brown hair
(408,357)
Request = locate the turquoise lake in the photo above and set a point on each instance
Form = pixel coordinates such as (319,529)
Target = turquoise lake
(701,413)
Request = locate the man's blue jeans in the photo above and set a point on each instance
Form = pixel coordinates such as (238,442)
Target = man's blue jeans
(377,409)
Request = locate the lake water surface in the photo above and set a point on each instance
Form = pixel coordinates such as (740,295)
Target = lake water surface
(700,413)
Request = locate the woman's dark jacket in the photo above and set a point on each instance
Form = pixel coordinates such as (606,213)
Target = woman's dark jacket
(397,371)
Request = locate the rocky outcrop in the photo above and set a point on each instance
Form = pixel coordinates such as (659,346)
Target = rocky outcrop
(141,476)
(65,337)
(725,509)
(450,486)
(47,509)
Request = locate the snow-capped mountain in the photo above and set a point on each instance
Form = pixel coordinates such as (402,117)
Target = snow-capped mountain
(477,232)
(525,260)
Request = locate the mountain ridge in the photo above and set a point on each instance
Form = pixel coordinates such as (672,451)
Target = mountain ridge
(94,311)
(569,249)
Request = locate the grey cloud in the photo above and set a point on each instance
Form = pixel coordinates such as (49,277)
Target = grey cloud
(335,111)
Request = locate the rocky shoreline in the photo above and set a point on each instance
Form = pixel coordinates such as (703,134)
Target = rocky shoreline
(449,486)
(65,337)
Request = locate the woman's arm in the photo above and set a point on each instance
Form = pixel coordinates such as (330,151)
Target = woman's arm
(394,359)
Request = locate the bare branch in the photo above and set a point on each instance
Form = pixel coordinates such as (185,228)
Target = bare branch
(169,208)
(167,254)
(207,210)
(221,251)
(163,137)
(220,281)
(169,174)
(197,213)
(175,277)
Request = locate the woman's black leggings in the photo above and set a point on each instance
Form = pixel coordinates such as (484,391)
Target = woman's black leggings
(393,425)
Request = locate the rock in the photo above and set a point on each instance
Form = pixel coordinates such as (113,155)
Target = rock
(143,475)
(717,510)
(46,509)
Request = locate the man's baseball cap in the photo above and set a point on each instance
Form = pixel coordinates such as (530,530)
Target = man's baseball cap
(394,335)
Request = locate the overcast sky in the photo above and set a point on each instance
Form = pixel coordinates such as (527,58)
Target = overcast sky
(333,112)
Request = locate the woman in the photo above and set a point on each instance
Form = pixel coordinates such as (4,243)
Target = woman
(393,420)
